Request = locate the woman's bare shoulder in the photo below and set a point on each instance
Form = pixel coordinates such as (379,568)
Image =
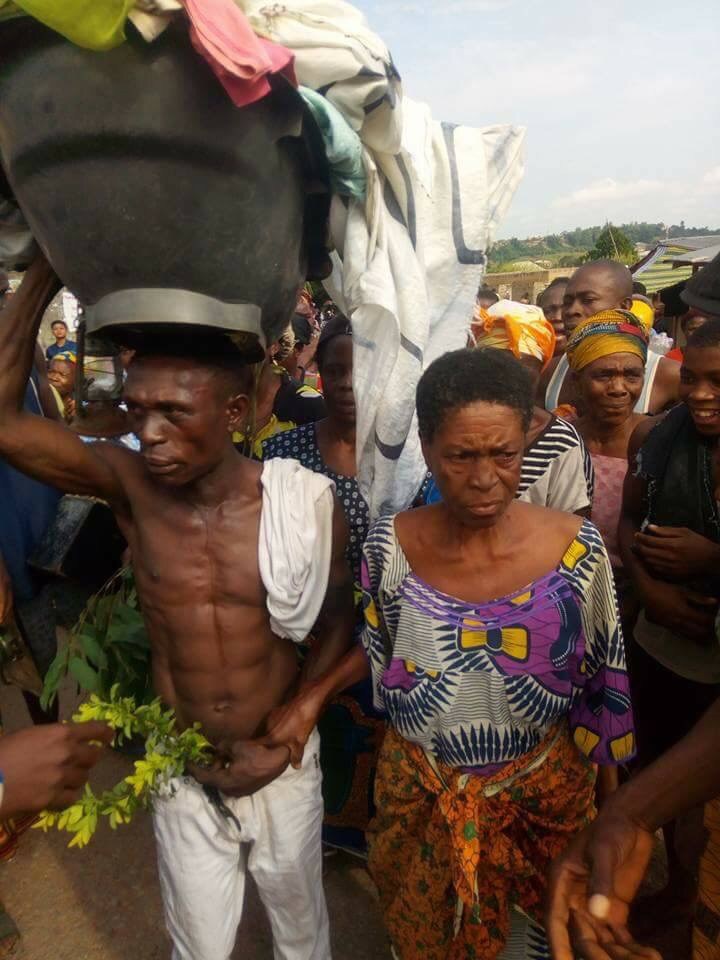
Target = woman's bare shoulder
(554,525)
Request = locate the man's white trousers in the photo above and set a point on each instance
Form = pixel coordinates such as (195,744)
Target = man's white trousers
(204,856)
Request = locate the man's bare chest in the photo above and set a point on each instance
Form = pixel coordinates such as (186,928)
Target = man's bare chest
(185,555)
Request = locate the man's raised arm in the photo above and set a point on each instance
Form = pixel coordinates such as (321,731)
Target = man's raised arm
(40,447)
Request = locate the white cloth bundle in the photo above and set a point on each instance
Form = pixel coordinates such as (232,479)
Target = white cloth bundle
(409,264)
(411,256)
(295,545)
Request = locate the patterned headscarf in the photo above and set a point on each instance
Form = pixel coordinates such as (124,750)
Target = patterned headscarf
(519,327)
(608,332)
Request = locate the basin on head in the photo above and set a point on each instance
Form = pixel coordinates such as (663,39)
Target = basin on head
(137,173)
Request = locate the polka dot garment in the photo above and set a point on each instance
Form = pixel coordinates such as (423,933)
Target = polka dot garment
(301,444)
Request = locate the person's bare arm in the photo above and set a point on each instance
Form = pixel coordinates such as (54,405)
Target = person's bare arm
(666,388)
(42,448)
(292,724)
(599,874)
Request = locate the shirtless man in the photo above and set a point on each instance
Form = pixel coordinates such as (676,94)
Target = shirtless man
(598,286)
(192,510)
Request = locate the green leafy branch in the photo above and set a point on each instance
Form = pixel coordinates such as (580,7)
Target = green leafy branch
(166,754)
(109,646)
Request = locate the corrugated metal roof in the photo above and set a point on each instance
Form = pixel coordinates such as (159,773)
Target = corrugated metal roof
(695,257)
(695,243)
(657,272)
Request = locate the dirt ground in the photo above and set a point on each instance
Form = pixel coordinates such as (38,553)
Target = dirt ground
(103,903)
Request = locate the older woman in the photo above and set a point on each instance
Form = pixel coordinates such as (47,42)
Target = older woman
(556,470)
(61,376)
(493,639)
(607,355)
(496,652)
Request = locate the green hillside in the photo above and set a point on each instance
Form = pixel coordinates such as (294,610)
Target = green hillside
(568,249)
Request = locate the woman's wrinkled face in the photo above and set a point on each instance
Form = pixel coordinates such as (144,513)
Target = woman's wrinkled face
(475,457)
(609,388)
(62,376)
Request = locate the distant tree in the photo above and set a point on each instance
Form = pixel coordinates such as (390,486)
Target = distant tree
(572,245)
(571,260)
(613,244)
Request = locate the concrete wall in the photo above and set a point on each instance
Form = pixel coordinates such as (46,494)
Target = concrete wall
(513,286)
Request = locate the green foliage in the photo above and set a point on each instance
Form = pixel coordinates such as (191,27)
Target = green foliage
(109,647)
(578,241)
(571,260)
(613,244)
(167,753)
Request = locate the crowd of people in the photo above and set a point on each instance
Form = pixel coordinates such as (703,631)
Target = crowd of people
(452,692)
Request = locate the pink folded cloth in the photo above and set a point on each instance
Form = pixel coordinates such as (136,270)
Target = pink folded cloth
(241,60)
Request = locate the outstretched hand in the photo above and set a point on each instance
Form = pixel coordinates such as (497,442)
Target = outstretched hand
(48,766)
(243,767)
(595,940)
(592,885)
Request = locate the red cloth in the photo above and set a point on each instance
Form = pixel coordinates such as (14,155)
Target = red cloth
(676,354)
(241,60)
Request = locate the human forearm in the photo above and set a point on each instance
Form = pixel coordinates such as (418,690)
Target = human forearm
(683,778)
(19,324)
(607,783)
(345,672)
(333,632)
(292,724)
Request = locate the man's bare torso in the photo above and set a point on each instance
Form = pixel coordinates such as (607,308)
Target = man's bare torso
(215,659)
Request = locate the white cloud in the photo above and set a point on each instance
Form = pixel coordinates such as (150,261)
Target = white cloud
(637,148)
(606,189)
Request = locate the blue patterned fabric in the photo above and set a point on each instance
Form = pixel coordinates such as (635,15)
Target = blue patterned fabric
(301,444)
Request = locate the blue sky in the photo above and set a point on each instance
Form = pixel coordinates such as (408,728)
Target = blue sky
(621,99)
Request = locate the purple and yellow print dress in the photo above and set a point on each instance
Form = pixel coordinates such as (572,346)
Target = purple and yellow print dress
(470,691)
(479,685)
